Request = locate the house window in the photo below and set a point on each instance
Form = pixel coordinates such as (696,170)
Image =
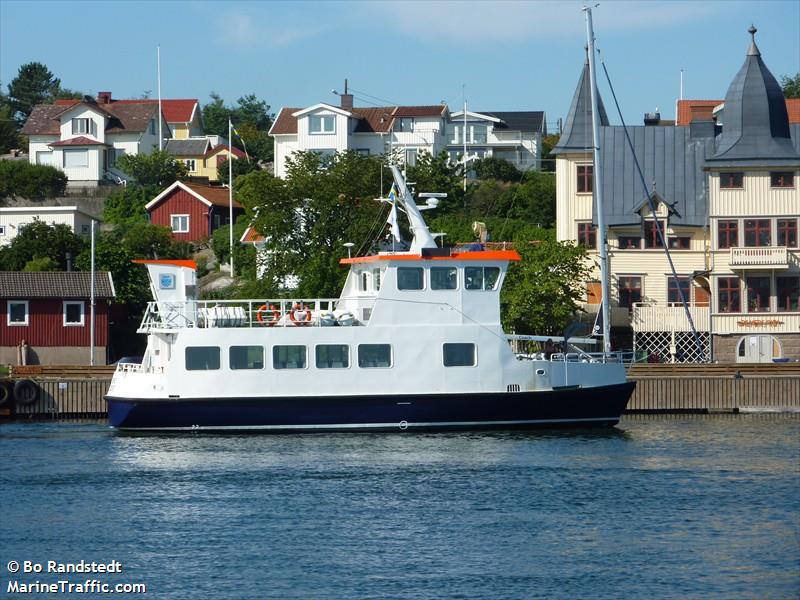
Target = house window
(781,179)
(246,357)
(152,126)
(681,242)
(585,173)
(76,158)
(180,223)
(788,293)
(2,230)
(202,358)
(404,124)
(374,356)
(758,289)
(411,157)
(587,235)
(674,289)
(17,312)
(289,357)
(81,126)
(731,181)
(729,294)
(787,233)
(630,291)
(481,278)
(757,232)
(409,278)
(73,313)
(322,124)
(362,151)
(727,234)
(651,237)
(191,164)
(333,356)
(458,355)
(443,278)
(630,242)
(44,158)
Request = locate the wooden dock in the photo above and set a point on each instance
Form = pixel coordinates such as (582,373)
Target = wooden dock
(68,393)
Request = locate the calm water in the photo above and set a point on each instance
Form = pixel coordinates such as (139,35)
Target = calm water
(662,507)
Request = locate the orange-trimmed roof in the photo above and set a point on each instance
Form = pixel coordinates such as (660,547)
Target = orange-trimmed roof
(189,264)
(689,110)
(251,236)
(510,255)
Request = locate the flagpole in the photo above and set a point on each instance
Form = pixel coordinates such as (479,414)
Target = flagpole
(230,189)
(160,114)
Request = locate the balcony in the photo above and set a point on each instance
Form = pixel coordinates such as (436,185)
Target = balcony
(653,317)
(773,257)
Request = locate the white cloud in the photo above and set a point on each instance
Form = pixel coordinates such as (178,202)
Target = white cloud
(246,31)
(470,22)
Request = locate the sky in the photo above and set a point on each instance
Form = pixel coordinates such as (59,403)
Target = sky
(499,55)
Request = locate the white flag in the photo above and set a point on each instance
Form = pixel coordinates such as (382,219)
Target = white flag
(392,220)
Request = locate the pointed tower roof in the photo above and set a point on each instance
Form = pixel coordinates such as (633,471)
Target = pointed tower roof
(755,124)
(577,133)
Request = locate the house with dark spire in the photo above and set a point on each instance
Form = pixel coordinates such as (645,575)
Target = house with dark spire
(726,193)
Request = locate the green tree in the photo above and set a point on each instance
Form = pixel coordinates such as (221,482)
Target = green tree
(496,168)
(541,292)
(44,263)
(144,240)
(240,166)
(791,86)
(9,138)
(436,174)
(548,160)
(536,199)
(125,207)
(34,84)
(252,111)
(250,117)
(257,143)
(35,182)
(155,169)
(243,254)
(216,115)
(39,241)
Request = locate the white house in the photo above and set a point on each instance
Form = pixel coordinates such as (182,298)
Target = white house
(13,220)
(85,138)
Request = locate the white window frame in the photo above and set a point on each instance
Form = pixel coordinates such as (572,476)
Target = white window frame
(27,313)
(172,223)
(48,153)
(79,121)
(191,164)
(320,119)
(64,305)
(2,229)
(75,152)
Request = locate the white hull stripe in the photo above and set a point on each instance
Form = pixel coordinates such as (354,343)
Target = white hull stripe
(404,425)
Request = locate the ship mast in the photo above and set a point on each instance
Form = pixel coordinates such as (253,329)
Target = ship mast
(422,235)
(598,189)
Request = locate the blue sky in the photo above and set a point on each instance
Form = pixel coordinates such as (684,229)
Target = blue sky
(507,55)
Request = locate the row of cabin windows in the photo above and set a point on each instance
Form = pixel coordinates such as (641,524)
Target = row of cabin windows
(18,313)
(446,278)
(649,238)
(727,181)
(326,356)
(758,292)
(757,232)
(735,180)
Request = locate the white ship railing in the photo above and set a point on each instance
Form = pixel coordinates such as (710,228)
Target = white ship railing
(282,312)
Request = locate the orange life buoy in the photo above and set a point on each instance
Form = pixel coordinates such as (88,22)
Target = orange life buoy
(300,315)
(268,314)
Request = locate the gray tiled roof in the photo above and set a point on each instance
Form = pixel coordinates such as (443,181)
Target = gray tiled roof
(755,124)
(187,147)
(54,284)
(577,132)
(527,120)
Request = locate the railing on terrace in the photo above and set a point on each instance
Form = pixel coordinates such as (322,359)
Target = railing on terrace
(205,314)
(761,256)
(653,317)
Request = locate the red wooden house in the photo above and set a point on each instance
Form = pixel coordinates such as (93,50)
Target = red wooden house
(192,211)
(49,313)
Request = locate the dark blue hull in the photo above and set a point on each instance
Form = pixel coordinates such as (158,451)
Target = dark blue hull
(569,407)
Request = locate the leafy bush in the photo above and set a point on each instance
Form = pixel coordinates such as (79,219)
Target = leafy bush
(35,182)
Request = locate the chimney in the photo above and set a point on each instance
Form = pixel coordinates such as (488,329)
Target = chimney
(347,99)
(104,97)
(69,261)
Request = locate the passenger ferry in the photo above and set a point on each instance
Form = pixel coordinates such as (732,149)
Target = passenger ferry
(414,342)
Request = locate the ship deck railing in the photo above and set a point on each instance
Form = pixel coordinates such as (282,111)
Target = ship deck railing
(282,312)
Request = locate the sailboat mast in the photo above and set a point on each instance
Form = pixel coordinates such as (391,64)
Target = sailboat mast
(598,189)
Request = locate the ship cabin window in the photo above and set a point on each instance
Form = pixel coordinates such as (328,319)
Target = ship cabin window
(289,357)
(246,357)
(410,278)
(202,358)
(376,279)
(481,278)
(333,356)
(364,282)
(444,278)
(374,356)
(459,355)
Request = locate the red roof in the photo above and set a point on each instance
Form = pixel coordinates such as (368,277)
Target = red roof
(370,120)
(78,141)
(175,110)
(689,110)
(234,150)
(251,236)
(218,196)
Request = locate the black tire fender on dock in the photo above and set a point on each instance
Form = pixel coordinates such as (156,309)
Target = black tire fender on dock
(26,392)
(5,392)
